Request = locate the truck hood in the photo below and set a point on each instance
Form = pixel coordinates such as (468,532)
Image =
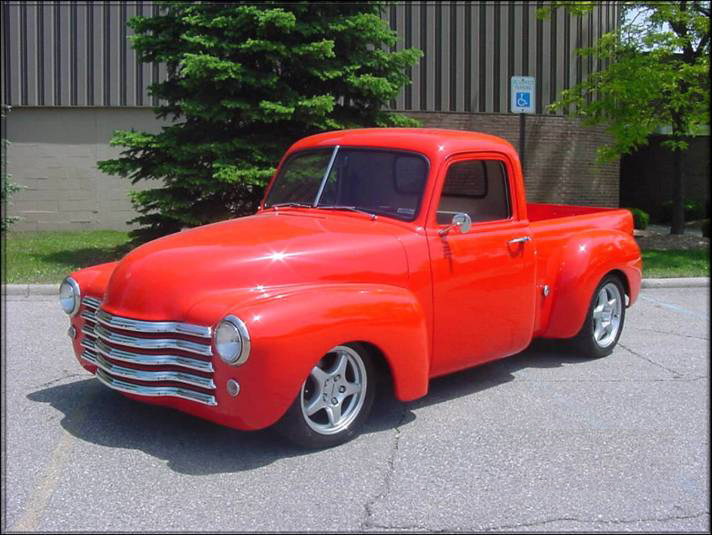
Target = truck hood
(163,279)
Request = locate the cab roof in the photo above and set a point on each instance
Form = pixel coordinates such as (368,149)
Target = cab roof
(436,143)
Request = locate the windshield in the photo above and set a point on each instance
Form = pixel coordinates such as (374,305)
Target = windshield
(377,181)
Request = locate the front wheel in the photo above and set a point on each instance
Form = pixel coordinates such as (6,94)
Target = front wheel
(334,400)
(604,321)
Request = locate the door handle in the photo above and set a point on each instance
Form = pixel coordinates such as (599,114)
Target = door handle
(523,239)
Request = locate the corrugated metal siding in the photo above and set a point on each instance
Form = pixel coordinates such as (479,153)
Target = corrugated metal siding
(74,54)
(78,54)
(472,49)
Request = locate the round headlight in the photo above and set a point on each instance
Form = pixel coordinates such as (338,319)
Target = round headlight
(232,341)
(69,296)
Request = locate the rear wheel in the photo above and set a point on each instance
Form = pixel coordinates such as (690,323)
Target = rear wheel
(334,400)
(604,321)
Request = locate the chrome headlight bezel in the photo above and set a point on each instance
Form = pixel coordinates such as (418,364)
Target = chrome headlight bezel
(76,295)
(236,329)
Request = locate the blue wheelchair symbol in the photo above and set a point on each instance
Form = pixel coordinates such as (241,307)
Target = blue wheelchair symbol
(523,100)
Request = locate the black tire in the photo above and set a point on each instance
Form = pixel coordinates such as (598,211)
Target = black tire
(588,341)
(319,430)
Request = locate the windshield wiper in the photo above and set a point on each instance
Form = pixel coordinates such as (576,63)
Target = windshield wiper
(299,204)
(351,208)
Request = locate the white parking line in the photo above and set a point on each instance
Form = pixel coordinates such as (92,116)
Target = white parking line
(676,308)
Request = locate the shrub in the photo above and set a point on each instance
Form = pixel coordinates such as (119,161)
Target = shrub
(7,186)
(640,218)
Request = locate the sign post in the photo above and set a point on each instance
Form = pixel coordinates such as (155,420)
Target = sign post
(523,102)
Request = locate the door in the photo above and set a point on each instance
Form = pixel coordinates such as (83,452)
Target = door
(483,279)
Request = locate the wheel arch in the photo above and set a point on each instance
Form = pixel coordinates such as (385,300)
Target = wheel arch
(623,278)
(381,362)
(586,259)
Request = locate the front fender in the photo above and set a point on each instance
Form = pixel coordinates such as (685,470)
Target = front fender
(93,280)
(586,258)
(293,327)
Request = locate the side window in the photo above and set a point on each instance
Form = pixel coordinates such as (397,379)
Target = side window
(476,187)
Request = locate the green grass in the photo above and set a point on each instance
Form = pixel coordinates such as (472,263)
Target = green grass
(48,257)
(677,263)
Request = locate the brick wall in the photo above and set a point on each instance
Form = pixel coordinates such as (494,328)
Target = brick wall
(560,154)
(53,155)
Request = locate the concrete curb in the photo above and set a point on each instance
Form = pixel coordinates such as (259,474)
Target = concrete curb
(26,290)
(689,282)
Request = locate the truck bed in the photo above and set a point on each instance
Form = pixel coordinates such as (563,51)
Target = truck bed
(571,218)
(540,211)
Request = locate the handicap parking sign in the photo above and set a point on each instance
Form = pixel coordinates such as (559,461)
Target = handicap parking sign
(523,88)
(523,100)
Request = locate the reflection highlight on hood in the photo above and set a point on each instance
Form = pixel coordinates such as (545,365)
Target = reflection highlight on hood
(278,256)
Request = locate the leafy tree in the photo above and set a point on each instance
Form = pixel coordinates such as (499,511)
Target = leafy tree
(658,76)
(8,187)
(244,82)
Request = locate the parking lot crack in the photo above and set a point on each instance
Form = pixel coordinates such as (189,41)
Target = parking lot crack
(54,381)
(367,523)
(675,334)
(669,518)
(543,522)
(677,378)
(675,374)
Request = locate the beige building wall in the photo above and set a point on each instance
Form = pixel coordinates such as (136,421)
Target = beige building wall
(52,155)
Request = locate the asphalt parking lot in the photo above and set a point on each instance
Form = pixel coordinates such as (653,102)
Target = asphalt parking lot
(541,441)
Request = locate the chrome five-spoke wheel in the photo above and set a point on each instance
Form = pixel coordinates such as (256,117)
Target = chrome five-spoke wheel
(607,314)
(604,321)
(333,394)
(334,400)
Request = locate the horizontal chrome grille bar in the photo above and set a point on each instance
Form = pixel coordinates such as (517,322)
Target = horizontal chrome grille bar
(152,343)
(89,355)
(89,329)
(91,302)
(146,360)
(152,326)
(154,391)
(157,376)
(89,316)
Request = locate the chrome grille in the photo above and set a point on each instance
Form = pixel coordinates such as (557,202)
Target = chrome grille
(136,356)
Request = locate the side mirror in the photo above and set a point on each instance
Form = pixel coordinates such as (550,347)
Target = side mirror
(460,220)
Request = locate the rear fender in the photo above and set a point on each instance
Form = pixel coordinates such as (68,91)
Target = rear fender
(586,258)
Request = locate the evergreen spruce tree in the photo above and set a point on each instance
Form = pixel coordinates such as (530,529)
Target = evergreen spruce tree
(244,82)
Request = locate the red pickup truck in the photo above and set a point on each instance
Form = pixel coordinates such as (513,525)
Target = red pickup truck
(402,254)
